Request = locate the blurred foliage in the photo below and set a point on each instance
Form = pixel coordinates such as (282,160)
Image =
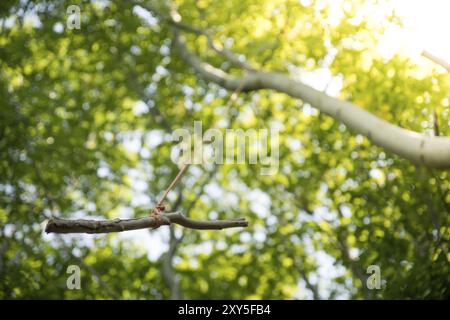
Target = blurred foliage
(75,142)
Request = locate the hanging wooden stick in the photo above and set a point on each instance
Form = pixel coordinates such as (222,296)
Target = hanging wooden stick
(157,216)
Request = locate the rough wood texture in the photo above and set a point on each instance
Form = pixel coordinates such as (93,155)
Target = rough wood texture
(119,225)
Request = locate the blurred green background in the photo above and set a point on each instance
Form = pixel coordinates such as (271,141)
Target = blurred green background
(86,122)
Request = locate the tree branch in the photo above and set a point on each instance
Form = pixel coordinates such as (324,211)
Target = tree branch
(120,225)
(434,152)
(174,20)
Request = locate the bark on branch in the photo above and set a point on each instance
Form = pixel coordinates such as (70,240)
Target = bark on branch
(119,225)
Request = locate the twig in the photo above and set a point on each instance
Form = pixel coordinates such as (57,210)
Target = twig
(172,184)
(435,123)
(174,21)
(120,225)
(185,166)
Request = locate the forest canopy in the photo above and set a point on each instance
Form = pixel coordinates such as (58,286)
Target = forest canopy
(91,93)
